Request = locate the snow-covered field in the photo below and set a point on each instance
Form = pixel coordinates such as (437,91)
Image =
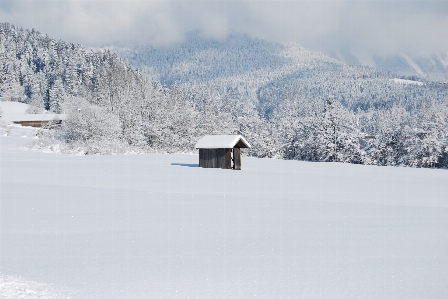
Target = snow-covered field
(14,111)
(158,226)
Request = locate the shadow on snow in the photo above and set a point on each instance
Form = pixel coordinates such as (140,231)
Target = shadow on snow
(185,164)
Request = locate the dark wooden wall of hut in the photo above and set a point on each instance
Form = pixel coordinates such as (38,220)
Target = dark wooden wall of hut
(215,158)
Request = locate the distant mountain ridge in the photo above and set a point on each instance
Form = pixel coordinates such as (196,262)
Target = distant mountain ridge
(431,68)
(265,73)
(203,60)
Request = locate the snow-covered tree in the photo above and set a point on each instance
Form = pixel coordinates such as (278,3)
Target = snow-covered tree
(56,96)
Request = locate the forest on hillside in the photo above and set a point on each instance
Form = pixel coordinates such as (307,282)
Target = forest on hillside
(289,102)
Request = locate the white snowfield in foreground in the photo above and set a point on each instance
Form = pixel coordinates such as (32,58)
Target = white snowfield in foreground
(13,287)
(158,226)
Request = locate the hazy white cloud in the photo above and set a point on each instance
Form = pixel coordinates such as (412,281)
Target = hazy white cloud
(364,27)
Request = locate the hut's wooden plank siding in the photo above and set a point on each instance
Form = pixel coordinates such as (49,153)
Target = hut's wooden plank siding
(215,158)
(35,123)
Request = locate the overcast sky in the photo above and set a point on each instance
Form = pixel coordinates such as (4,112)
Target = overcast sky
(363,27)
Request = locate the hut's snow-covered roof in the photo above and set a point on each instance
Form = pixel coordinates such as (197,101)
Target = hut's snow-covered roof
(222,141)
(40,117)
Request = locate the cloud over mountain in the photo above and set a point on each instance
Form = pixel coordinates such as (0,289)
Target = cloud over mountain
(363,27)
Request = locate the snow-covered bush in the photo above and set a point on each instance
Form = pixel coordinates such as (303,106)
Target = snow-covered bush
(89,122)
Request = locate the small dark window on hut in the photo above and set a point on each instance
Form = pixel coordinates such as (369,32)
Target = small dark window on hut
(221,151)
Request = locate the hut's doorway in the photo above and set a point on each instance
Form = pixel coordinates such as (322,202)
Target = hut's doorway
(236,158)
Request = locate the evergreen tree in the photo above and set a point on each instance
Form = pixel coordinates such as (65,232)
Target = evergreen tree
(56,96)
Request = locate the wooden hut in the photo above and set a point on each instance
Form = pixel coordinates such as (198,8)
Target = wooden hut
(219,151)
(38,120)
(36,123)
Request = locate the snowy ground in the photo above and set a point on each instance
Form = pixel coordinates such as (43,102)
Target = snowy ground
(157,226)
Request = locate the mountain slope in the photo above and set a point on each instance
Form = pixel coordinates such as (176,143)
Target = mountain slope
(49,73)
(266,73)
(429,68)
